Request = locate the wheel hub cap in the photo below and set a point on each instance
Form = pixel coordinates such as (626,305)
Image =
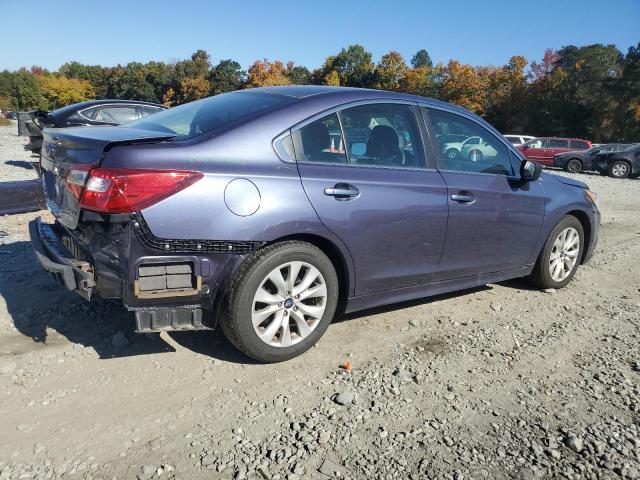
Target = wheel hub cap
(289,304)
(564,254)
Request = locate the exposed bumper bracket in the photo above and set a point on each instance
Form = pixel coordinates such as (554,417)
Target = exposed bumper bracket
(74,275)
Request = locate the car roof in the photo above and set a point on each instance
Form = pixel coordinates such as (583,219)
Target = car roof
(345,94)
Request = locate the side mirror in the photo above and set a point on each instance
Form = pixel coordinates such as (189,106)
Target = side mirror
(530,171)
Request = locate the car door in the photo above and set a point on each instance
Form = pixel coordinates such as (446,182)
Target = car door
(535,150)
(494,219)
(364,170)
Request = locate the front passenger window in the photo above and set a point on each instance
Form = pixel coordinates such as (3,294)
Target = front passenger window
(480,151)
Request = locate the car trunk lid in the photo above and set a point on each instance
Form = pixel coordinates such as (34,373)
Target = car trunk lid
(69,154)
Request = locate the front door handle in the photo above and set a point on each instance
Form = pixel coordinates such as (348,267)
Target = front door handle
(342,191)
(462,198)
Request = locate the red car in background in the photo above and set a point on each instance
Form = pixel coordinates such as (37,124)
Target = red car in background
(542,149)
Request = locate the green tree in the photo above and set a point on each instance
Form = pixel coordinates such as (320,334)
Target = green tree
(297,74)
(26,91)
(226,76)
(353,66)
(421,59)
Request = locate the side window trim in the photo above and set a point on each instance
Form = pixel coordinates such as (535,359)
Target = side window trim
(513,153)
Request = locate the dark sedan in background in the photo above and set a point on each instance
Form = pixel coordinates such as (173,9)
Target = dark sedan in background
(268,211)
(83,114)
(574,162)
(620,164)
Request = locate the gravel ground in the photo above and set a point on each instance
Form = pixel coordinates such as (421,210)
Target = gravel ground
(15,161)
(497,382)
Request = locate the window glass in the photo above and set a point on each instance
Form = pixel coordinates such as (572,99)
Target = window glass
(209,114)
(147,110)
(321,142)
(513,140)
(579,145)
(537,143)
(89,113)
(382,135)
(558,143)
(116,114)
(481,152)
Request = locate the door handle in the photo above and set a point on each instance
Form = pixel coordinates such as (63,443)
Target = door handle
(460,198)
(342,191)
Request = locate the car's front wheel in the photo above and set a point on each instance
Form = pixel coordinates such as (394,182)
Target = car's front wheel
(281,301)
(619,169)
(560,256)
(573,166)
(452,153)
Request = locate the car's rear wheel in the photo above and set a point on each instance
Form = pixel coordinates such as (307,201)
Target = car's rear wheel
(281,301)
(619,169)
(560,256)
(573,166)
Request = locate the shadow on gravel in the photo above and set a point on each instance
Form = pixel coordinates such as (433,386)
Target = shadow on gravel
(23,164)
(36,305)
(212,344)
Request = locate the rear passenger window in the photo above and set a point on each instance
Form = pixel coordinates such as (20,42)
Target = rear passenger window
(579,145)
(116,114)
(320,142)
(479,152)
(558,143)
(383,135)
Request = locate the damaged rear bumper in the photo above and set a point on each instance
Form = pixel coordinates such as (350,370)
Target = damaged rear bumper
(169,284)
(75,275)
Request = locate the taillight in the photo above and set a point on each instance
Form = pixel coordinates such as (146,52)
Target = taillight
(76,178)
(123,190)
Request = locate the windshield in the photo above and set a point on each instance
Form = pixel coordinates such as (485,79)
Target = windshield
(209,114)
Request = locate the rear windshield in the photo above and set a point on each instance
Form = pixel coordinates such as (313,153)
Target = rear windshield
(209,114)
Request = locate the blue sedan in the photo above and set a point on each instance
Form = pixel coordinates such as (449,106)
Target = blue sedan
(269,211)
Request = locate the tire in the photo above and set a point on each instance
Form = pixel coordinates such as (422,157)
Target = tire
(452,153)
(573,166)
(619,169)
(542,275)
(252,283)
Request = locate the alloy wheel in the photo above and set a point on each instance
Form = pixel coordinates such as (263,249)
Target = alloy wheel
(619,169)
(289,304)
(574,166)
(564,254)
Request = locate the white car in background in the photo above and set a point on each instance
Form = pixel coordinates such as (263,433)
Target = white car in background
(476,150)
(517,140)
(452,149)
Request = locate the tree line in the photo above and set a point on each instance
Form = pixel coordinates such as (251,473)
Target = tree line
(589,92)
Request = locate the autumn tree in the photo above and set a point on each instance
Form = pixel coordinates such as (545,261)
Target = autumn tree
(353,67)
(463,86)
(263,73)
(390,72)
(59,91)
(193,89)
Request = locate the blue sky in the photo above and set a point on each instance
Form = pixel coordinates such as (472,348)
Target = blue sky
(477,32)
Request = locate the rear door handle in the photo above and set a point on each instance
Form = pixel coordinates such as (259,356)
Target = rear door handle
(342,191)
(461,198)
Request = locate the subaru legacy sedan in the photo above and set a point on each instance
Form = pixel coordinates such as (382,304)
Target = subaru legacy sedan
(270,211)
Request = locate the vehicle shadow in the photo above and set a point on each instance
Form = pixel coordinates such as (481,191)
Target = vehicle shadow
(212,344)
(43,311)
(27,165)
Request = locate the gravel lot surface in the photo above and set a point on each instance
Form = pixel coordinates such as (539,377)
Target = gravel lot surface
(15,161)
(498,382)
